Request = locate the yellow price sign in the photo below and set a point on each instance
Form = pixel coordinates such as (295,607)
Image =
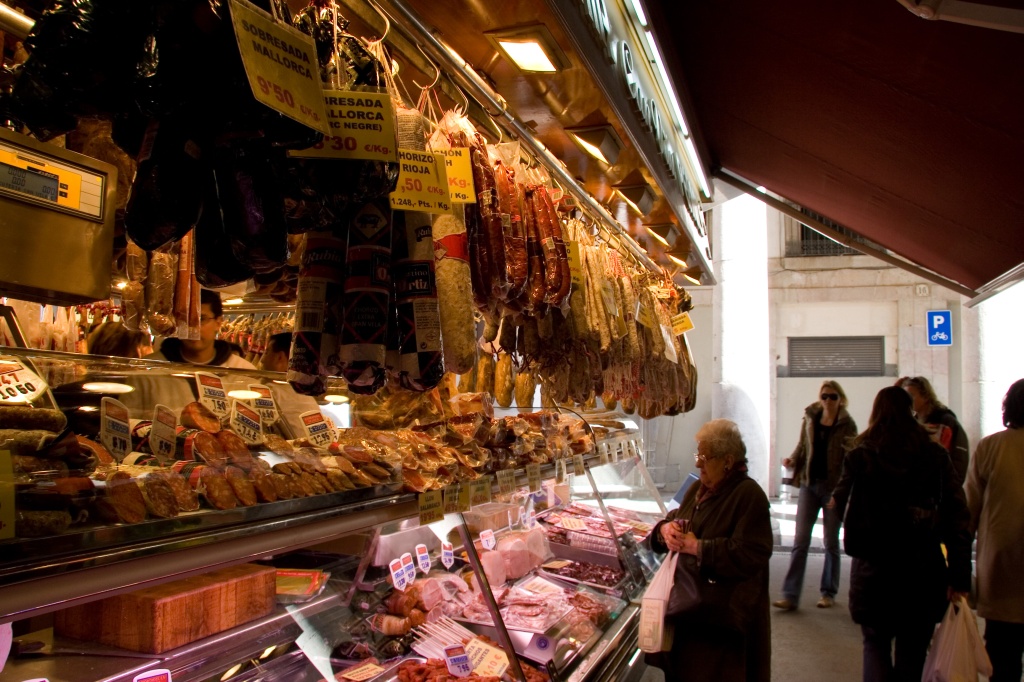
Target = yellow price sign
(480,492)
(487,661)
(280,62)
(431,505)
(460,175)
(507,481)
(362,127)
(681,323)
(533,476)
(422,183)
(456,498)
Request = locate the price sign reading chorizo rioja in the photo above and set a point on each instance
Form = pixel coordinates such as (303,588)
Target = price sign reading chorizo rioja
(422,183)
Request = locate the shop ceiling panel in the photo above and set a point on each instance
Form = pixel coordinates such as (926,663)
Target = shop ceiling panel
(906,131)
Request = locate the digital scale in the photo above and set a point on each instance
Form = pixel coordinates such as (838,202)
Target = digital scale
(56,222)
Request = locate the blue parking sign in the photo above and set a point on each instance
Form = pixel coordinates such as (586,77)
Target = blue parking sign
(940,328)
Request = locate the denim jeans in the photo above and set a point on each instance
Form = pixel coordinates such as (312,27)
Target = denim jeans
(812,499)
(1005,645)
(911,649)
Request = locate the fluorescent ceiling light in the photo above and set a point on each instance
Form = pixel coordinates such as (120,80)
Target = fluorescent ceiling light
(601,142)
(666,83)
(531,48)
(639,11)
(691,153)
(336,399)
(107,387)
(243,394)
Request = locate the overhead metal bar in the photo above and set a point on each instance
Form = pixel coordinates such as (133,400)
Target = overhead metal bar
(410,24)
(998,285)
(14,22)
(843,239)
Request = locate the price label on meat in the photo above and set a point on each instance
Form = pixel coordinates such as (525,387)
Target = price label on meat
(247,423)
(318,432)
(212,393)
(431,507)
(281,64)
(487,661)
(423,558)
(572,523)
(487,539)
(645,316)
(366,671)
(456,498)
(160,675)
(507,481)
(480,491)
(575,264)
(18,384)
(398,578)
(459,168)
(577,463)
(114,427)
(670,346)
(533,477)
(162,433)
(681,323)
(422,183)
(409,566)
(447,554)
(362,127)
(457,660)
(6,496)
(264,404)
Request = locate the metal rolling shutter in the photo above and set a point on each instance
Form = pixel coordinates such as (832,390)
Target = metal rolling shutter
(836,356)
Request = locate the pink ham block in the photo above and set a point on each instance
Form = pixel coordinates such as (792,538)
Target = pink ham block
(516,555)
(494,568)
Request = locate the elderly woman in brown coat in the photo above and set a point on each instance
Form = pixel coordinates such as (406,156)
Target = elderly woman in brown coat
(723,533)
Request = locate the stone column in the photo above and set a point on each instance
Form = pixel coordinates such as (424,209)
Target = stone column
(741,388)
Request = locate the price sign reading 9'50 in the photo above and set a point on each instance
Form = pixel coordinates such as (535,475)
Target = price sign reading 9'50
(281,64)
(422,183)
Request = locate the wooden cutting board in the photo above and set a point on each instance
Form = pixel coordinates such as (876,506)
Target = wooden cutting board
(157,619)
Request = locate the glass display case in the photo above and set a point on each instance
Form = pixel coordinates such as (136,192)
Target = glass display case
(493,519)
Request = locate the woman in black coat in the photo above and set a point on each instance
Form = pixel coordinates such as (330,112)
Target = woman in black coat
(901,501)
(723,533)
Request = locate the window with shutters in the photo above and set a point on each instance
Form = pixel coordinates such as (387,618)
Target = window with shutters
(836,356)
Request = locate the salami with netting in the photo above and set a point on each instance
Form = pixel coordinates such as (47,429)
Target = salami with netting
(420,362)
(314,354)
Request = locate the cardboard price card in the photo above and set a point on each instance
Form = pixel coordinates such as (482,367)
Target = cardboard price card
(507,481)
(459,169)
(571,523)
(480,491)
(577,463)
(486,660)
(318,431)
(18,384)
(681,323)
(456,498)
(281,64)
(265,404)
(247,423)
(431,504)
(366,671)
(212,394)
(422,183)
(162,433)
(362,127)
(115,431)
(533,476)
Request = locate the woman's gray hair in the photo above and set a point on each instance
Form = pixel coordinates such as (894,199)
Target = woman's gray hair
(723,437)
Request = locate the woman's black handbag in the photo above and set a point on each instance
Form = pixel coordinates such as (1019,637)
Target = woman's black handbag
(701,602)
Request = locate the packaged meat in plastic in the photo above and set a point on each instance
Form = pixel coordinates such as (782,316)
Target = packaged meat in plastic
(215,262)
(253,210)
(160,281)
(471,403)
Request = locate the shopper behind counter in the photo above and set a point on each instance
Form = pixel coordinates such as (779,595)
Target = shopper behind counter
(290,405)
(207,349)
(722,531)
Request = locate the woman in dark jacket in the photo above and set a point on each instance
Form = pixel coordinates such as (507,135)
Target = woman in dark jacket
(901,501)
(723,533)
(941,423)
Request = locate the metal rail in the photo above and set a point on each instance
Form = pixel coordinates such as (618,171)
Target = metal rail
(14,22)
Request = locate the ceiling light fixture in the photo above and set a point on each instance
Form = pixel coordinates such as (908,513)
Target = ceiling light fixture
(234,301)
(531,48)
(638,10)
(663,232)
(677,260)
(113,387)
(693,274)
(337,399)
(639,197)
(601,142)
(243,394)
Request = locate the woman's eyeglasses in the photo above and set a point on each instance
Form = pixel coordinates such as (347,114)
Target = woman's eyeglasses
(701,459)
(830,396)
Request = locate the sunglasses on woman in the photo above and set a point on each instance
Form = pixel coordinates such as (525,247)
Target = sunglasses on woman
(830,396)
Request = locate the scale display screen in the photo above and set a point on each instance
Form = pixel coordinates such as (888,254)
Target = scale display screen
(29,181)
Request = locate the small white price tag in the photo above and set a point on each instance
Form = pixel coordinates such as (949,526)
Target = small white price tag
(447,554)
(487,539)
(524,519)
(18,384)
(423,558)
(318,431)
(398,578)
(531,519)
(246,423)
(457,659)
(158,675)
(212,393)
(409,566)
(114,428)
(161,434)
(265,404)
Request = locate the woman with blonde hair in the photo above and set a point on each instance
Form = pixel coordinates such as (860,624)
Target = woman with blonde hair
(113,338)
(817,461)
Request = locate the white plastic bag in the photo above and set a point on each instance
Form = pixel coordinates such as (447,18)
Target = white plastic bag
(958,652)
(654,635)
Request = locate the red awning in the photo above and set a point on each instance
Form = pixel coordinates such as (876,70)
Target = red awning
(906,131)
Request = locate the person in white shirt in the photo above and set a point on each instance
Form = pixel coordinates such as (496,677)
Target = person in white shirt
(207,349)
